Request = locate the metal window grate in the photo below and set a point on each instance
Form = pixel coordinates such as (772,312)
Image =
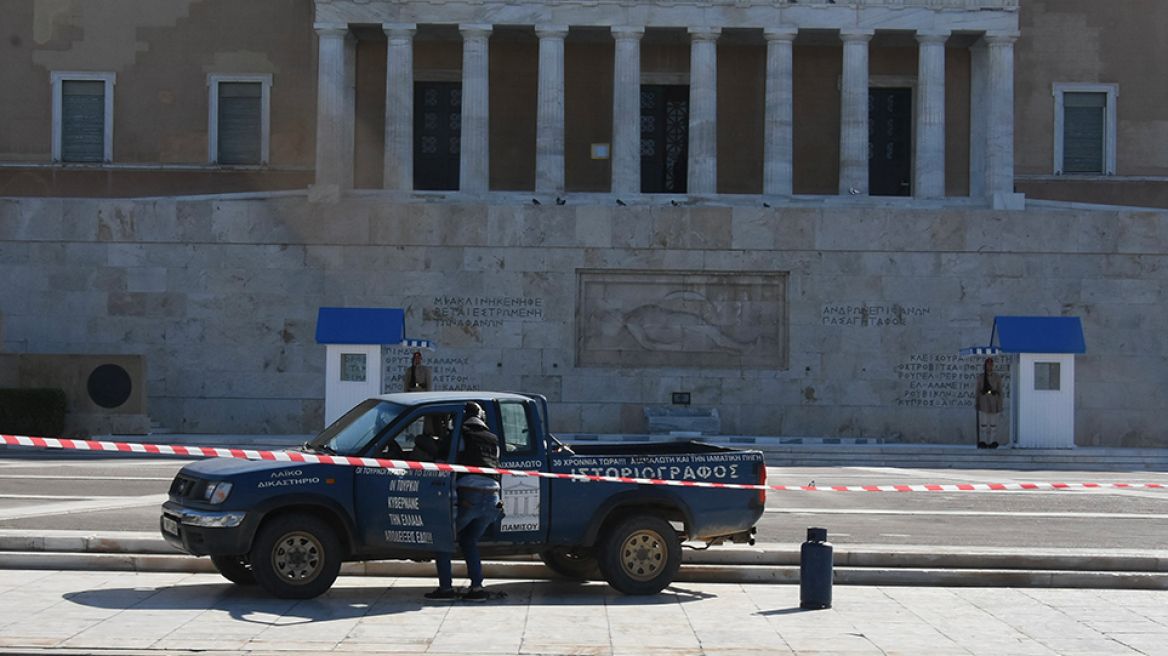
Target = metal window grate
(240,123)
(1084,119)
(82,120)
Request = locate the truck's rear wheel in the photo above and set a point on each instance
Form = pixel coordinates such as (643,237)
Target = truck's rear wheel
(236,569)
(296,557)
(570,563)
(640,555)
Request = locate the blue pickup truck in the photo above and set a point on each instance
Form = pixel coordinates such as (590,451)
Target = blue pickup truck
(288,526)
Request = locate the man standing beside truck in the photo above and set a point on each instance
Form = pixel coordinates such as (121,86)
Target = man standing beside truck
(477,505)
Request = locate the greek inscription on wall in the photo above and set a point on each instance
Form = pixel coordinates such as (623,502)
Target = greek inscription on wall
(482,311)
(943,380)
(682,319)
(448,372)
(873,315)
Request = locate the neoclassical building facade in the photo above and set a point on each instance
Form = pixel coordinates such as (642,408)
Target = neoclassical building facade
(682,39)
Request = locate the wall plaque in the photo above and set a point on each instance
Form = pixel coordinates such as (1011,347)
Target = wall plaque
(724,319)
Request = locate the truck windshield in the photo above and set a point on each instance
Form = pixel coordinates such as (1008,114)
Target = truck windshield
(358,427)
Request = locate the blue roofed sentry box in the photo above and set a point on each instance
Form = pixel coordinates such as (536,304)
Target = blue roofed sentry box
(1039,334)
(360,325)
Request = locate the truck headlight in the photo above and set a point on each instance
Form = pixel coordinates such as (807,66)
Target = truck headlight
(212,520)
(217,492)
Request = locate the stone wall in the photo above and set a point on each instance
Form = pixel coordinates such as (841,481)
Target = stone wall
(862,317)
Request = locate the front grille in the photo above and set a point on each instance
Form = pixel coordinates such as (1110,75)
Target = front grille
(184,487)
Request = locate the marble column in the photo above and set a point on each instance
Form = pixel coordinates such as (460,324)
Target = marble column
(979,57)
(853,178)
(399,107)
(475,169)
(626,111)
(702,170)
(334,112)
(778,149)
(1000,115)
(930,128)
(549,132)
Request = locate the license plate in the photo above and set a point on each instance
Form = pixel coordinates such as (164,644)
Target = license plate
(169,525)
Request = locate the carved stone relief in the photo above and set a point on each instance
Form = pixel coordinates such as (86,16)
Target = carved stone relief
(681,319)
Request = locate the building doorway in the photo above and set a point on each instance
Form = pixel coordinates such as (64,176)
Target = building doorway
(437,135)
(664,138)
(890,141)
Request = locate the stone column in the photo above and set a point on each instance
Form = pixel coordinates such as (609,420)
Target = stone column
(399,107)
(930,132)
(778,150)
(703,112)
(549,131)
(475,162)
(334,113)
(1000,115)
(626,111)
(853,177)
(979,57)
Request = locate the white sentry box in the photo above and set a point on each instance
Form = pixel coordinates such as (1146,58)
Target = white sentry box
(353,338)
(1044,410)
(353,373)
(1042,381)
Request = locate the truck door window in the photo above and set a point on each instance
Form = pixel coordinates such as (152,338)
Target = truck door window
(513,421)
(425,439)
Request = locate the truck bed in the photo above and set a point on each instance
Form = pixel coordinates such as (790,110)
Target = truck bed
(646,448)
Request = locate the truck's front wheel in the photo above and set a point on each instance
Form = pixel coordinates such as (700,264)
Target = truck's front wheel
(296,557)
(640,555)
(236,569)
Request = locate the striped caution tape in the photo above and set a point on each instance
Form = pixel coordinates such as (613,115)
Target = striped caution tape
(297,456)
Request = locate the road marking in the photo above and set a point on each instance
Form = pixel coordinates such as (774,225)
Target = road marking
(58,497)
(50,477)
(88,505)
(958,513)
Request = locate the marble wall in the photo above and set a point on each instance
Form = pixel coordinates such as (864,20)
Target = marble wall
(856,314)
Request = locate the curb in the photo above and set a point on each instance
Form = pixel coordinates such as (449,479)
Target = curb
(689,572)
(777,563)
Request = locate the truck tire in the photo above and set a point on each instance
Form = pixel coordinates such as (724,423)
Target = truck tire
(571,564)
(640,555)
(296,557)
(236,569)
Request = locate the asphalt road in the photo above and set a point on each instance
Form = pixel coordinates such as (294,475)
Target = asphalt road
(54,490)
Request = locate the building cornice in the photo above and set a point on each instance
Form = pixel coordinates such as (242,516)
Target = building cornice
(951,15)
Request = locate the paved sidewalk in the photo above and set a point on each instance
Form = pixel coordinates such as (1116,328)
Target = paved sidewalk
(170,613)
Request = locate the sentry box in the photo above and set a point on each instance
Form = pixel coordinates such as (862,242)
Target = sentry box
(354,338)
(1042,385)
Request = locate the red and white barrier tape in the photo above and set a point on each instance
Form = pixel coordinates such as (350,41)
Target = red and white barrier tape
(297,456)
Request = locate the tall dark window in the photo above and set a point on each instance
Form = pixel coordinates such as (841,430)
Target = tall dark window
(82,120)
(1084,120)
(240,123)
(437,135)
(664,138)
(889,142)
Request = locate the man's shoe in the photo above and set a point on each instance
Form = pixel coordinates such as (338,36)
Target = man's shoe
(993,445)
(479,595)
(442,595)
(982,445)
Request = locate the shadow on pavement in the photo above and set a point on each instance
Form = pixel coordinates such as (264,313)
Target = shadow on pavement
(785,611)
(251,604)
